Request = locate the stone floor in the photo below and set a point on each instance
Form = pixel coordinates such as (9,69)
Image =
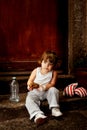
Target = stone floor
(14,116)
(71,120)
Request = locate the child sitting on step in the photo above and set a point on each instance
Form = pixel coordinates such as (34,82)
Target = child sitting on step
(44,79)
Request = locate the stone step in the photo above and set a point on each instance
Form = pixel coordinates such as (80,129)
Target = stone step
(7,76)
(5,81)
(6,103)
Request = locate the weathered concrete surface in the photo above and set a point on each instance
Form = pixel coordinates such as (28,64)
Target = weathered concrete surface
(71,120)
(14,116)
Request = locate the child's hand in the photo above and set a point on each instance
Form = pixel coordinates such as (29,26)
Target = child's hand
(42,88)
(29,88)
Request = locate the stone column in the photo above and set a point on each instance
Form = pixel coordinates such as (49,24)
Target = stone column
(76,40)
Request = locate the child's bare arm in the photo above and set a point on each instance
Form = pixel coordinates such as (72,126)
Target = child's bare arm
(30,83)
(52,82)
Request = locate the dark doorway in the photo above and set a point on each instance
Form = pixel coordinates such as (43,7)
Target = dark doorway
(27,28)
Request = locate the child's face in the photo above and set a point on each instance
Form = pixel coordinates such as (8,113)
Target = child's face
(47,65)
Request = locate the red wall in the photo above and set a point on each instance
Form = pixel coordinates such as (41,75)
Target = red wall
(27,28)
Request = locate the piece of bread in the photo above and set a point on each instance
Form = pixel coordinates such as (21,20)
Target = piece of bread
(34,85)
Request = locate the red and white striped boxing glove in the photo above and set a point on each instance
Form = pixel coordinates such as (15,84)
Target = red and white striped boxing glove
(69,90)
(82,92)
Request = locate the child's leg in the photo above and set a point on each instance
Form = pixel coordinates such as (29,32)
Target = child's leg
(53,100)
(53,97)
(33,104)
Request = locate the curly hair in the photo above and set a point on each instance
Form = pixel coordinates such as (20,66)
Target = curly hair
(51,55)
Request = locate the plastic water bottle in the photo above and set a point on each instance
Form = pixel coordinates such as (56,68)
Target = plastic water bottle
(14,88)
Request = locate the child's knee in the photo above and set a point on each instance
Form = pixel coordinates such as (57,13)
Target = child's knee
(53,90)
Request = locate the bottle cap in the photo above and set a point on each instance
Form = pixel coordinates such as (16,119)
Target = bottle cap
(13,77)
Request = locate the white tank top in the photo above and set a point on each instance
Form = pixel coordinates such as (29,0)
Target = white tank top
(42,79)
